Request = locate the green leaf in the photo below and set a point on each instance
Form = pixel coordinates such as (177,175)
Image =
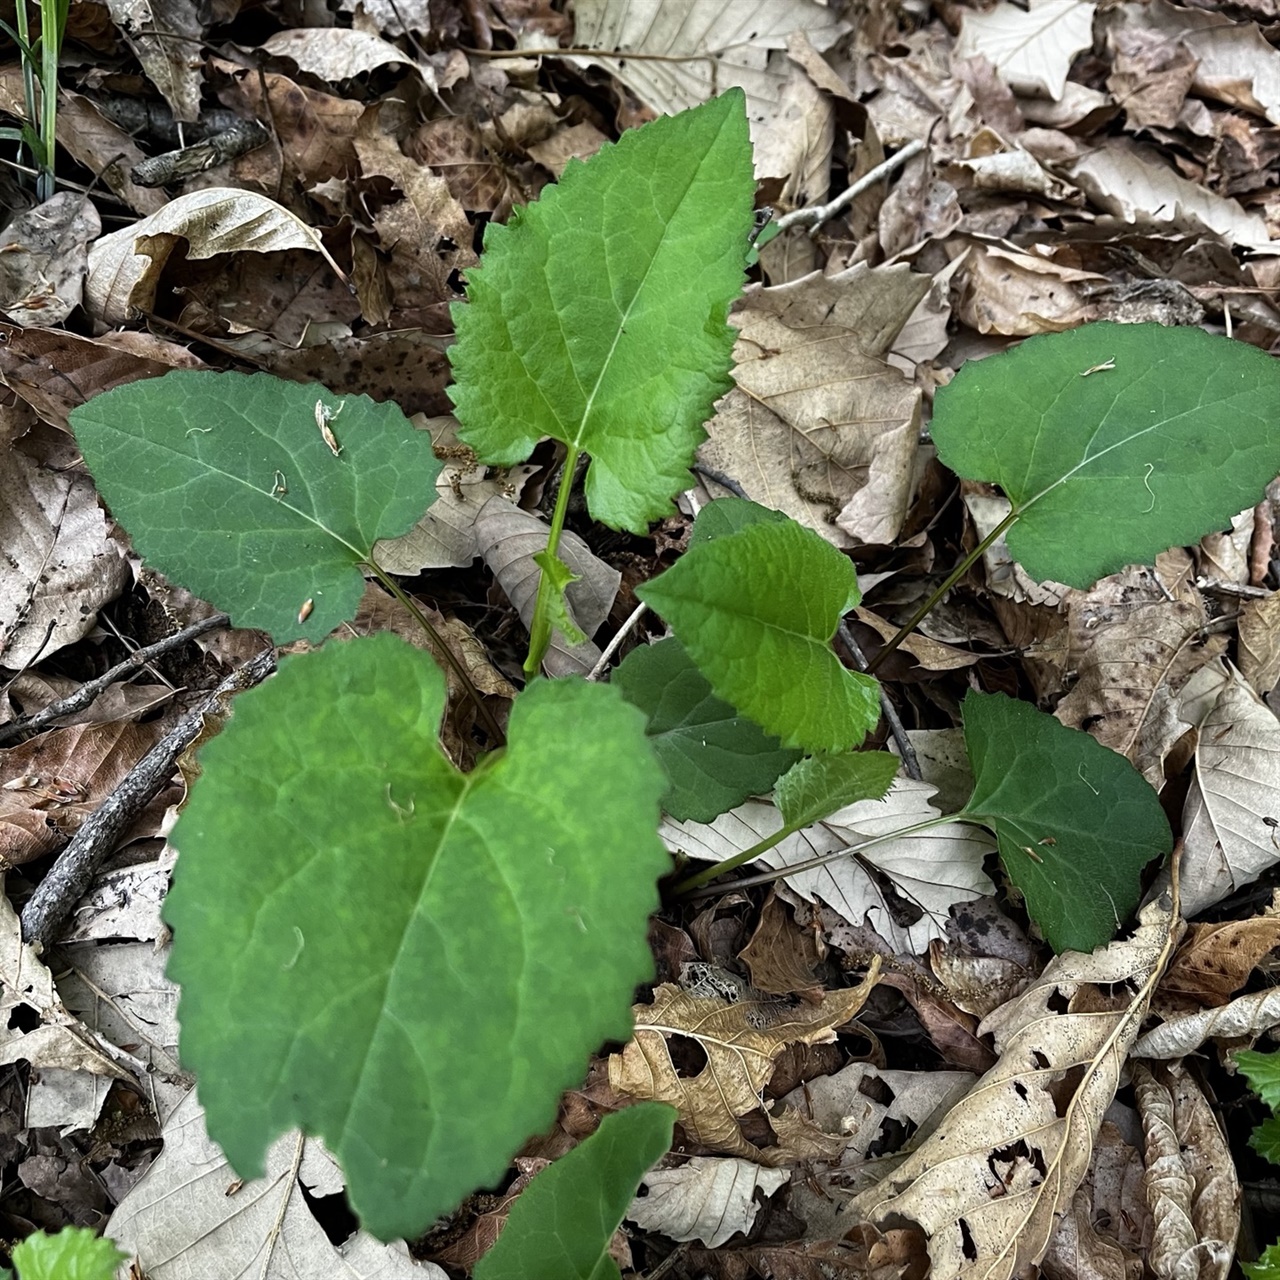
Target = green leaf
(817,787)
(756,611)
(728,515)
(714,757)
(561,1224)
(1265,1139)
(1267,1267)
(409,962)
(598,315)
(1262,1070)
(1075,822)
(226,485)
(559,577)
(74,1253)
(1114,441)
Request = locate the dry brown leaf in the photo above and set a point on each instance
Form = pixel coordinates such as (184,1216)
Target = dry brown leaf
(1191,1180)
(1258,629)
(741,1041)
(51,784)
(104,149)
(930,654)
(819,426)
(61,564)
(866,1255)
(1134,647)
(978,984)
(125,266)
(1031,48)
(781,956)
(1215,960)
(166,36)
(1020,294)
(989,1187)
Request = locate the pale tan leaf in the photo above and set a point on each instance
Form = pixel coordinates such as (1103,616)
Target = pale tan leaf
(819,426)
(1020,294)
(990,1185)
(1031,48)
(166,36)
(1134,648)
(1191,1179)
(335,53)
(125,266)
(1231,818)
(930,654)
(190,1218)
(1137,185)
(708,1198)
(866,1105)
(60,565)
(902,887)
(1246,1016)
(706,46)
(26,984)
(741,1039)
(43,259)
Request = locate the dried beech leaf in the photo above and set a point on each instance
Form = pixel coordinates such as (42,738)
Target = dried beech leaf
(990,1185)
(1248,1016)
(741,1040)
(707,1199)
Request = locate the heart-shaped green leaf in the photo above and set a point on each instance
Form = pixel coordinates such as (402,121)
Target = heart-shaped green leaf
(227,484)
(1114,441)
(598,316)
(1075,822)
(756,610)
(409,962)
(817,787)
(561,1225)
(714,757)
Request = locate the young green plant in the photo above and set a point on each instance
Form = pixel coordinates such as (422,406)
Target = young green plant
(412,962)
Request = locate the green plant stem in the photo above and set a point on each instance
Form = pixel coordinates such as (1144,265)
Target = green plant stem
(685,887)
(496,736)
(53,21)
(952,578)
(28,67)
(540,626)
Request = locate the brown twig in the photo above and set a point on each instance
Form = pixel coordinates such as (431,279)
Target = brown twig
(70,877)
(90,690)
(900,736)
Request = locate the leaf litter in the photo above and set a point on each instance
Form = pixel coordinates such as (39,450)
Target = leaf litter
(1079,163)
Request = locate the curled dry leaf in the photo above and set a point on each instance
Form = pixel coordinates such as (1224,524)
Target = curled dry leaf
(741,1040)
(989,1186)
(1215,960)
(125,267)
(1191,1180)
(1244,1018)
(707,1199)
(1031,48)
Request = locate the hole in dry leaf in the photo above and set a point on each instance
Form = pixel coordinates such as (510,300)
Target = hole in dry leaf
(687,1056)
(22,1017)
(876,1089)
(966,1241)
(893,1136)
(333,1214)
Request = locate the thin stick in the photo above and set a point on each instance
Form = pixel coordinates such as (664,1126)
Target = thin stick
(815,215)
(90,690)
(905,749)
(69,879)
(612,647)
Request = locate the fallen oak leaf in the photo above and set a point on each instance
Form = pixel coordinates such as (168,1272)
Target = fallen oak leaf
(741,1039)
(989,1186)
